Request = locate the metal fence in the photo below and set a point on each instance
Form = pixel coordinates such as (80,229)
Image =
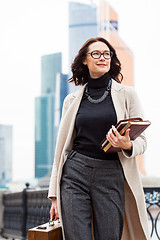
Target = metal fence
(152,198)
(29,208)
(24,210)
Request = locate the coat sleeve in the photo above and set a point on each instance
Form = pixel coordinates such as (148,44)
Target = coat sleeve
(134,109)
(53,180)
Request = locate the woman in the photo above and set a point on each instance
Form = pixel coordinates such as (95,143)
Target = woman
(87,183)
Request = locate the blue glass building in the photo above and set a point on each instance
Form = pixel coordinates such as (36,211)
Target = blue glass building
(43,134)
(82,25)
(48,109)
(50,65)
(5,154)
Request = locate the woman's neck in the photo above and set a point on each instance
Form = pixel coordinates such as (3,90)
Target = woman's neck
(100,82)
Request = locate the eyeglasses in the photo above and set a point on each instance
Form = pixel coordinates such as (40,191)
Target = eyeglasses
(97,54)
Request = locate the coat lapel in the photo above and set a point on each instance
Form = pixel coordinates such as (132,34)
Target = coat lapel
(71,115)
(66,128)
(118,99)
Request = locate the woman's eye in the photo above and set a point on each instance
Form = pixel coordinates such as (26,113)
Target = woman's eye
(96,54)
(107,53)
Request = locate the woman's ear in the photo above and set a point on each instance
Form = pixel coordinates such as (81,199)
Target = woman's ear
(84,62)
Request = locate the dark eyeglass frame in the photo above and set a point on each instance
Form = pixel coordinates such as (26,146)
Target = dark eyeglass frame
(101,54)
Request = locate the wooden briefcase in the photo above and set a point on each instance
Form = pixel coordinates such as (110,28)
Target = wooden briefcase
(46,232)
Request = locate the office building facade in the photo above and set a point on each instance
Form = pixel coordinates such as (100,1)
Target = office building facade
(48,109)
(50,65)
(82,25)
(44,120)
(108,28)
(5,154)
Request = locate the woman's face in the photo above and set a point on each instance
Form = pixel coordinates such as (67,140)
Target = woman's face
(97,67)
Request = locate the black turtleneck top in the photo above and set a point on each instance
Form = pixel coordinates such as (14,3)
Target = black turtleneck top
(93,121)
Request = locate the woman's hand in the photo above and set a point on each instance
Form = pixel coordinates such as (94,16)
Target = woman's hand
(54,211)
(119,141)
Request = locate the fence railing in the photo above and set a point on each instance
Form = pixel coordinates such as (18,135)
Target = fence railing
(14,215)
(152,198)
(29,208)
(24,210)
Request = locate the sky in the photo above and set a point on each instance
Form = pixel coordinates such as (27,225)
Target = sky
(32,28)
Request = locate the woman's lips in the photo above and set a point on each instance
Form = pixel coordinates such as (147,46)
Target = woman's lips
(101,64)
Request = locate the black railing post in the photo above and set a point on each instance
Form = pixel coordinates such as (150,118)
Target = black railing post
(24,212)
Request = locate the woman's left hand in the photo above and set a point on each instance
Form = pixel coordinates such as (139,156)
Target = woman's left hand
(119,141)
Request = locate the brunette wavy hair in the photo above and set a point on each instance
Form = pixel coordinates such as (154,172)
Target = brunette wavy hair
(80,71)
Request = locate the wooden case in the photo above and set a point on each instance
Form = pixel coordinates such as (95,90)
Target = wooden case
(46,232)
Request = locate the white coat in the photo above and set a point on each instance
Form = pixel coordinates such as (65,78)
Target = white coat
(126,105)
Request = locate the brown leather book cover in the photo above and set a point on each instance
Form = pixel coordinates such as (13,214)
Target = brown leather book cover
(136,126)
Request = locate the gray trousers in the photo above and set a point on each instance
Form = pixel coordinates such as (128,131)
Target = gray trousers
(92,188)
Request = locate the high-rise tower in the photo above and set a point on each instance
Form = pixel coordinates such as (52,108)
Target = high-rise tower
(82,25)
(5,154)
(108,28)
(50,65)
(48,111)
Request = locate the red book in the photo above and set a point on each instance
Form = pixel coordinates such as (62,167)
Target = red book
(136,126)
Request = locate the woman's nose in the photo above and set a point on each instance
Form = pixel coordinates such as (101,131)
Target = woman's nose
(102,57)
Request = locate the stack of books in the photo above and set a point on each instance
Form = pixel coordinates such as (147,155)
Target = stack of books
(136,126)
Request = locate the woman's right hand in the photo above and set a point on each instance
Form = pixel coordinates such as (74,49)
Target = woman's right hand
(54,211)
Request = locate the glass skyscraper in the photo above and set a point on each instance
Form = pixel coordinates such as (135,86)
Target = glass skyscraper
(82,25)
(50,65)
(44,120)
(108,28)
(5,154)
(48,112)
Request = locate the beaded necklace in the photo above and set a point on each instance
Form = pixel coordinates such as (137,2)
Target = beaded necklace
(101,99)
